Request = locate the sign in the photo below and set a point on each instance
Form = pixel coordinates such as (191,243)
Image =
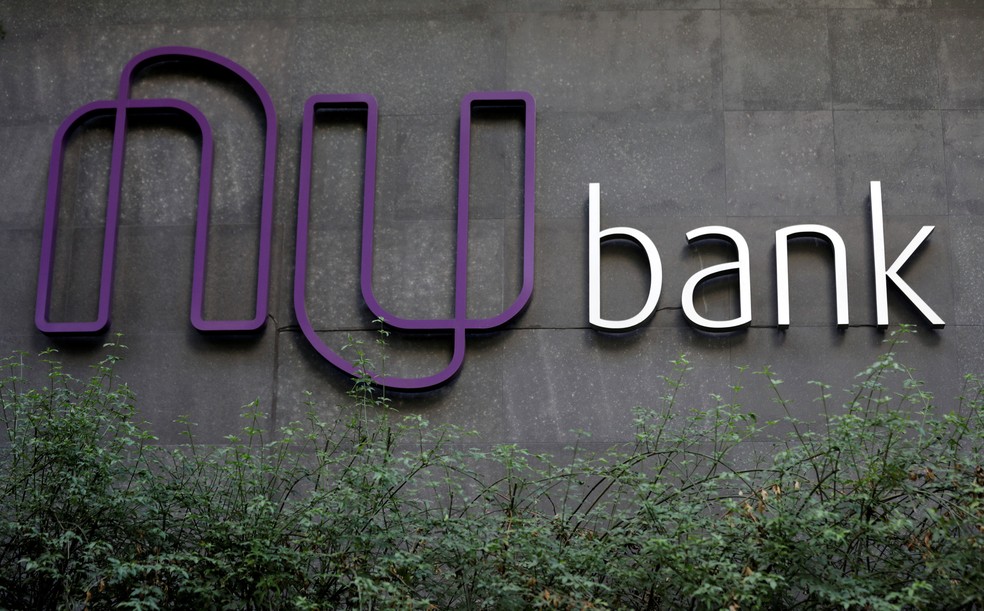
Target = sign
(882,275)
(123,105)
(459,323)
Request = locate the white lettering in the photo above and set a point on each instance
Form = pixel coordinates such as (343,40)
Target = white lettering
(782,269)
(741,266)
(892,273)
(595,238)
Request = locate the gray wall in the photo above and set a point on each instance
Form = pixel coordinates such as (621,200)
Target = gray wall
(755,114)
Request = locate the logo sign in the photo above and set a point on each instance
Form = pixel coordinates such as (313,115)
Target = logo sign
(459,324)
(119,109)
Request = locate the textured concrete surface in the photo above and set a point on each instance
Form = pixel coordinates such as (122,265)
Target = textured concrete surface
(754,114)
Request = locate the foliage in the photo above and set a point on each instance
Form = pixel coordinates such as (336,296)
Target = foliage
(879,508)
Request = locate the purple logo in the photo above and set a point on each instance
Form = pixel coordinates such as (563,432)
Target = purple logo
(459,323)
(118,109)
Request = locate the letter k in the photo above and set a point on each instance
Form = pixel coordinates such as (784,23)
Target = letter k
(892,273)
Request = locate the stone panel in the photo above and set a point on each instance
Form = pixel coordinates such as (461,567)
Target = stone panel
(968,273)
(19,250)
(27,15)
(418,167)
(413,63)
(497,163)
(902,149)
(50,74)
(545,399)
(24,157)
(334,299)
(607,5)
(830,4)
(884,59)
(75,273)
(779,163)
(662,164)
(472,400)
(963,139)
(800,356)
(207,380)
(961,58)
(617,61)
(154,274)
(776,60)
(950,4)
(970,357)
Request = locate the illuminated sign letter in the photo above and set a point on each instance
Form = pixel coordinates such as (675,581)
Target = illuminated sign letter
(892,273)
(741,266)
(595,239)
(459,323)
(782,268)
(119,109)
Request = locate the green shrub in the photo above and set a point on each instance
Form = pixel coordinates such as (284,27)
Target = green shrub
(880,508)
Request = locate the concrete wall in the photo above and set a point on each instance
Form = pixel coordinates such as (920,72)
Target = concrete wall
(755,114)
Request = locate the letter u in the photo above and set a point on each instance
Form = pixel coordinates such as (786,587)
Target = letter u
(118,109)
(459,324)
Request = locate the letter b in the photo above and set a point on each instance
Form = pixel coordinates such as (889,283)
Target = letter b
(595,239)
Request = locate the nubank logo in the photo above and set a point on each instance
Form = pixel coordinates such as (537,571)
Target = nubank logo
(459,324)
(123,106)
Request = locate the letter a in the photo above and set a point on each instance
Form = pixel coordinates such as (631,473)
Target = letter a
(740,266)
